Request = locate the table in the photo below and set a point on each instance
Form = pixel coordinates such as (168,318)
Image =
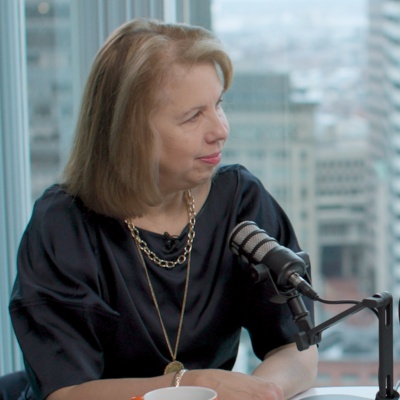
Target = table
(339,393)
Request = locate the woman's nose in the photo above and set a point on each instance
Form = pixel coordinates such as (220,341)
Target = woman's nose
(218,126)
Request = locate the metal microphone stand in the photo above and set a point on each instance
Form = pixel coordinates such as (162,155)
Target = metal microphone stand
(380,303)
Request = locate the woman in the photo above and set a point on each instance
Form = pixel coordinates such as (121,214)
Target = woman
(126,282)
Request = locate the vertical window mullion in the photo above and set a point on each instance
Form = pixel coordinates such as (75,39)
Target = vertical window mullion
(15,203)
(170,11)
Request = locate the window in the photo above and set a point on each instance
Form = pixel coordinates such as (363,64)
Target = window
(309,76)
(315,84)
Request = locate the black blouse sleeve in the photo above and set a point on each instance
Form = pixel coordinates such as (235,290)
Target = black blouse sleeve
(57,304)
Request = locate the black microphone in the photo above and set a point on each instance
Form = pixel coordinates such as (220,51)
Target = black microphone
(253,245)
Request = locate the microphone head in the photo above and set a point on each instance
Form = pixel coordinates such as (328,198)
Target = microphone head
(248,240)
(254,246)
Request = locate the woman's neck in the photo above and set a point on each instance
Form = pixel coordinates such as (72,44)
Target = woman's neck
(172,214)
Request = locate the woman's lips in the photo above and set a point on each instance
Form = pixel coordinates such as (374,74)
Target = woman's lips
(212,159)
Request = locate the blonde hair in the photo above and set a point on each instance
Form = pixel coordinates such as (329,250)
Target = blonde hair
(111,166)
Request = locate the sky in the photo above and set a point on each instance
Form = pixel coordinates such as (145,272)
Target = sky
(239,14)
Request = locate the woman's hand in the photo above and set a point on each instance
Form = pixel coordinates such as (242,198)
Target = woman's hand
(285,372)
(233,385)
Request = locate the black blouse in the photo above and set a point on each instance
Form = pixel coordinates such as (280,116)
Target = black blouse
(81,305)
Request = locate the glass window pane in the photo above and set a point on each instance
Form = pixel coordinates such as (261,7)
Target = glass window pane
(314,112)
(308,113)
(48,32)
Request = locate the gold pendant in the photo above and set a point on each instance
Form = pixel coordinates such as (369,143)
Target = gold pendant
(173,366)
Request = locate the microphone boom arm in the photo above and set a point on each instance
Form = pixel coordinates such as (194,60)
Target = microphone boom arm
(308,335)
(383,304)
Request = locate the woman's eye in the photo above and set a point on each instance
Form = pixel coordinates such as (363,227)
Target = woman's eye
(194,117)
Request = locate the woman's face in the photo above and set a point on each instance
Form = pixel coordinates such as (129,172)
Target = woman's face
(191,126)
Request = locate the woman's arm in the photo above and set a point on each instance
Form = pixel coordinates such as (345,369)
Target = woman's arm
(116,389)
(283,373)
(293,370)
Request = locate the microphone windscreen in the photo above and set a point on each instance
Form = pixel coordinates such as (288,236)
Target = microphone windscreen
(249,240)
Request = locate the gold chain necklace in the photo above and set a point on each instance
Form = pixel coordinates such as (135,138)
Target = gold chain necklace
(174,365)
(142,246)
(188,248)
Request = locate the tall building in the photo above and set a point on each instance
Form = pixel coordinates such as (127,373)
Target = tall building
(384,117)
(273,136)
(342,199)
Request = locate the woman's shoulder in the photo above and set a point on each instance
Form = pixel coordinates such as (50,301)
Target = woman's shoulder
(233,172)
(236,186)
(54,199)
(230,170)
(57,203)
(56,211)
(237,177)
(58,214)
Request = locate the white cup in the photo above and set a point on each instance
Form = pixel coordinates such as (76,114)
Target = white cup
(180,393)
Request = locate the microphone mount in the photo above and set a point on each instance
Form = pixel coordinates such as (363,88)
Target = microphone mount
(380,303)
